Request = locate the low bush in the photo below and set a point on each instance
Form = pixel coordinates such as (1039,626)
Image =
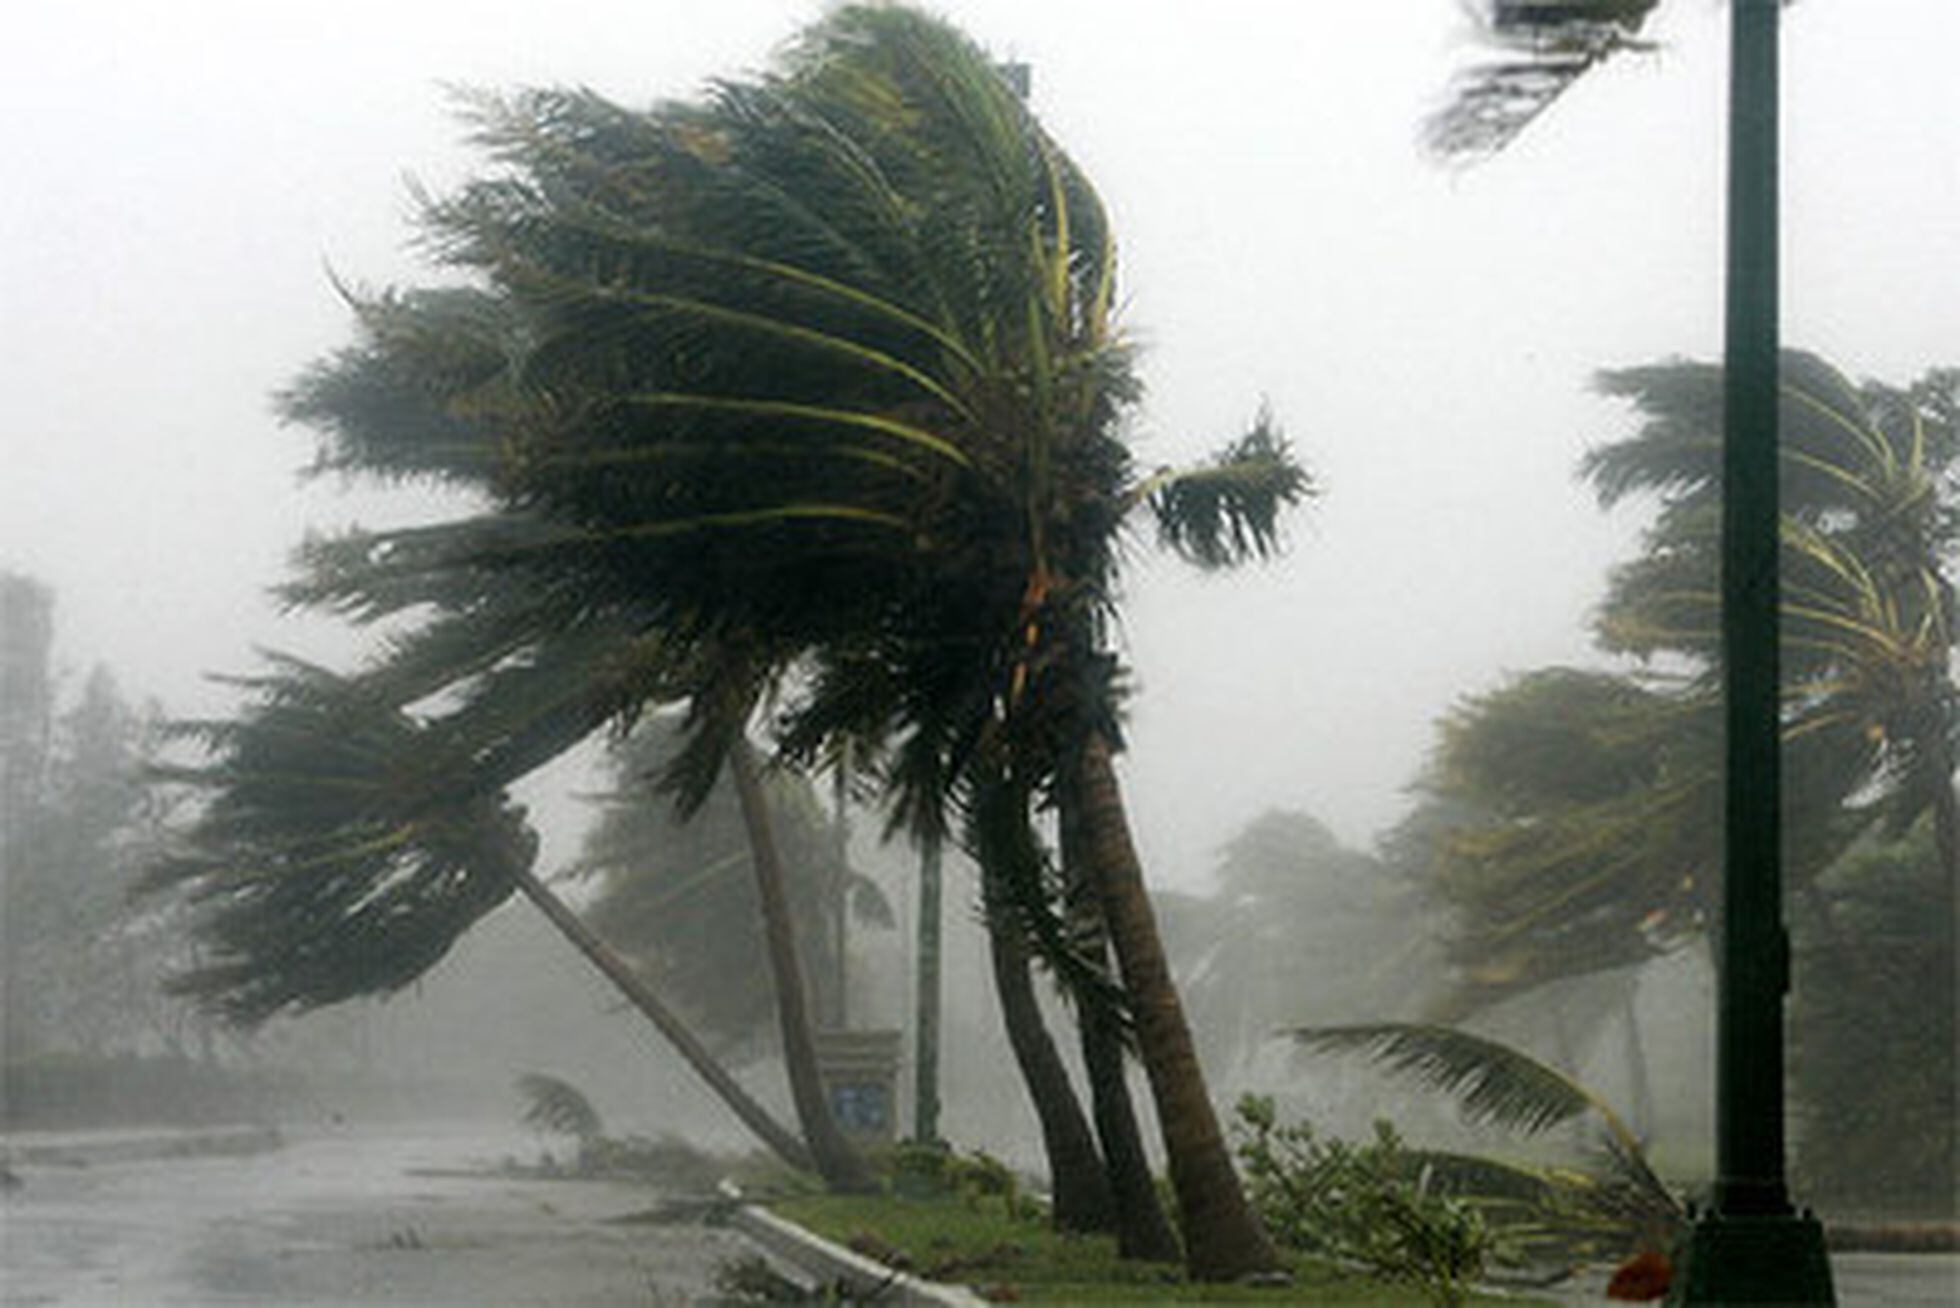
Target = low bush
(1369,1203)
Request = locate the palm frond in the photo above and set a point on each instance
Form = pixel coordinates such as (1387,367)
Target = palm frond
(1548,45)
(1492,1082)
(552,1104)
(1227,510)
(341,850)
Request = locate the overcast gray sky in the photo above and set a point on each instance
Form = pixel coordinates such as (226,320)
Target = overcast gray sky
(178,176)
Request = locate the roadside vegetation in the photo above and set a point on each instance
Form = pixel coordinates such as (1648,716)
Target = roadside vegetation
(1006,1250)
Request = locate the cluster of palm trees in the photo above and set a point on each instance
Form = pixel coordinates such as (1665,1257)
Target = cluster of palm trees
(1587,832)
(800,408)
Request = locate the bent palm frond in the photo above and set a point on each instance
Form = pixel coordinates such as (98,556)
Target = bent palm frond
(1227,510)
(1493,1082)
(551,1104)
(1547,45)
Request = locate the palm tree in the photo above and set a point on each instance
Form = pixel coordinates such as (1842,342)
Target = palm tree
(1868,630)
(1868,707)
(1592,831)
(815,387)
(1585,831)
(518,642)
(344,848)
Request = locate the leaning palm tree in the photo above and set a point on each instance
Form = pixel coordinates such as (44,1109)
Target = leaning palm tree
(342,849)
(814,384)
(556,1105)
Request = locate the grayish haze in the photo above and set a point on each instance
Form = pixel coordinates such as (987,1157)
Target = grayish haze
(178,178)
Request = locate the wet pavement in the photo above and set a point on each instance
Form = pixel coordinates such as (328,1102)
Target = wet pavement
(345,1219)
(1862,1280)
(364,1218)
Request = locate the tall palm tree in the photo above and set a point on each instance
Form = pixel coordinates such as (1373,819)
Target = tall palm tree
(816,386)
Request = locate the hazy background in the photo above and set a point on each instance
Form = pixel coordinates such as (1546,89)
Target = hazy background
(178,179)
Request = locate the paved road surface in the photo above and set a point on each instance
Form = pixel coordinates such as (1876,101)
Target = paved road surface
(343,1220)
(1862,1281)
(354,1219)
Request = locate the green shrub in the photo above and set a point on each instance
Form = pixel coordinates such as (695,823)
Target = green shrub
(1369,1203)
(924,1171)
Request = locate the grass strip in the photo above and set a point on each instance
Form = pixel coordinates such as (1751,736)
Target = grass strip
(974,1241)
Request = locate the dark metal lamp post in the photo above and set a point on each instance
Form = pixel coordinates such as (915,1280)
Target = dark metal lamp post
(1751,1246)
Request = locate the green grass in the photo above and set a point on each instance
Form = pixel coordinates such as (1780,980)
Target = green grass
(974,1242)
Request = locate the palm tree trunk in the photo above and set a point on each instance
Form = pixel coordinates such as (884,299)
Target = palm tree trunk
(1075,1169)
(1222,1236)
(837,1162)
(1142,1230)
(1946,844)
(1946,820)
(835,994)
(778,1137)
(925,1049)
(1004,843)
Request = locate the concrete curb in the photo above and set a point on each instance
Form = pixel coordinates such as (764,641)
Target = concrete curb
(82,1148)
(830,1264)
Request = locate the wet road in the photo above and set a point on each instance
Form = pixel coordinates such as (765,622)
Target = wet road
(348,1220)
(1862,1280)
(357,1219)
(1897,1280)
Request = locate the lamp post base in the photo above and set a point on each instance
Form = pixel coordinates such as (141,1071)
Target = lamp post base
(1754,1260)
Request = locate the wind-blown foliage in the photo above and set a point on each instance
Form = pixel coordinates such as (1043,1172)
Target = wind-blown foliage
(1227,511)
(1545,47)
(1495,1083)
(1582,837)
(344,846)
(1589,802)
(552,1104)
(1870,710)
(806,394)
(338,855)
